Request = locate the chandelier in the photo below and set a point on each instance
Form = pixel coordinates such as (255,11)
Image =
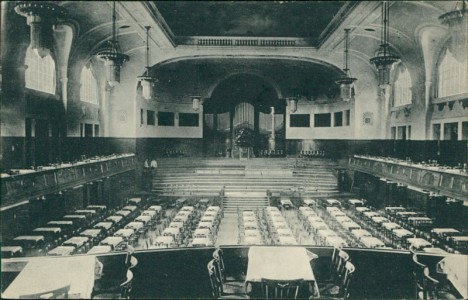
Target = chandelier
(384,60)
(456,20)
(40,16)
(347,82)
(112,56)
(292,104)
(147,79)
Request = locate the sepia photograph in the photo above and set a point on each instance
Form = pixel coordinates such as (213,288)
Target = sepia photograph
(234,149)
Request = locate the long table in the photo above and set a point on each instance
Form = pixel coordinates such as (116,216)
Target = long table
(279,263)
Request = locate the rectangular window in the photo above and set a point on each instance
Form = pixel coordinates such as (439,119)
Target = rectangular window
(88,130)
(408,135)
(81,130)
(302,120)
(436,132)
(465,131)
(451,131)
(150,117)
(322,120)
(165,118)
(393,133)
(347,117)
(338,119)
(142,117)
(188,120)
(402,132)
(96,129)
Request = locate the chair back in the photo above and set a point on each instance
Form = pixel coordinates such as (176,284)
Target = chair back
(343,258)
(60,293)
(418,276)
(348,274)
(281,289)
(215,280)
(126,287)
(218,256)
(431,286)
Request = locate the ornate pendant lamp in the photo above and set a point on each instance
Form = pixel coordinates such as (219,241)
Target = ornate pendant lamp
(40,16)
(147,80)
(196,98)
(112,56)
(347,82)
(456,20)
(384,61)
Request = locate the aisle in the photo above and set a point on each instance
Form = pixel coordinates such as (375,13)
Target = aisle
(228,230)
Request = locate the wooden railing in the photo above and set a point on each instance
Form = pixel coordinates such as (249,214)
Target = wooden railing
(244,41)
(27,184)
(451,183)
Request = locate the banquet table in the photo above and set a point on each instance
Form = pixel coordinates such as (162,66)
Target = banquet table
(407,214)
(113,241)
(156,208)
(333,202)
(143,219)
(49,273)
(114,219)
(253,240)
(394,209)
(380,220)
(202,242)
(187,208)
(279,263)
(201,232)
(343,219)
(50,230)
(208,218)
(130,208)
(213,208)
(90,212)
(362,209)
(286,202)
(454,266)
(91,233)
(309,202)
(350,225)
(171,231)
(335,241)
(371,214)
(249,218)
(280,225)
(100,249)
(134,226)
(29,238)
(122,213)
(252,232)
(135,200)
(76,241)
(318,224)
(60,223)
(62,250)
(251,224)
(125,233)
(164,240)
(150,213)
(361,233)
(332,208)
(356,202)
(175,224)
(104,225)
(435,250)
(181,218)
(391,226)
(11,251)
(401,233)
(372,242)
(284,232)
(97,207)
(419,243)
(287,240)
(443,232)
(248,213)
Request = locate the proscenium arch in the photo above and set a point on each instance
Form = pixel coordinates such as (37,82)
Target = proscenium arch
(271,82)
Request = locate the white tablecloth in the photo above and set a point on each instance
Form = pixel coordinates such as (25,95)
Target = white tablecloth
(100,249)
(280,263)
(48,273)
(455,266)
(156,208)
(105,225)
(134,225)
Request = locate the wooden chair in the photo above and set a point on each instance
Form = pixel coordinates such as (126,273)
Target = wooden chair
(281,289)
(218,256)
(125,289)
(342,290)
(60,293)
(418,277)
(431,289)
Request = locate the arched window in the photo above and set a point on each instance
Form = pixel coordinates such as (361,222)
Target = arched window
(88,90)
(40,72)
(453,76)
(402,89)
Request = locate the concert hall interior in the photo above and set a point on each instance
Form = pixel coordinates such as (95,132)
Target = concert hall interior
(234,149)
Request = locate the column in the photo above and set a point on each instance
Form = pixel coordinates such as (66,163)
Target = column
(271,140)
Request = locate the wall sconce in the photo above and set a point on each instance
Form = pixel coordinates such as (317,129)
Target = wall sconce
(292,104)
(196,102)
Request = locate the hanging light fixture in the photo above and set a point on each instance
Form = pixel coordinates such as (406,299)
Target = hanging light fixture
(196,98)
(347,82)
(292,104)
(456,20)
(196,102)
(384,61)
(40,16)
(112,56)
(147,79)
